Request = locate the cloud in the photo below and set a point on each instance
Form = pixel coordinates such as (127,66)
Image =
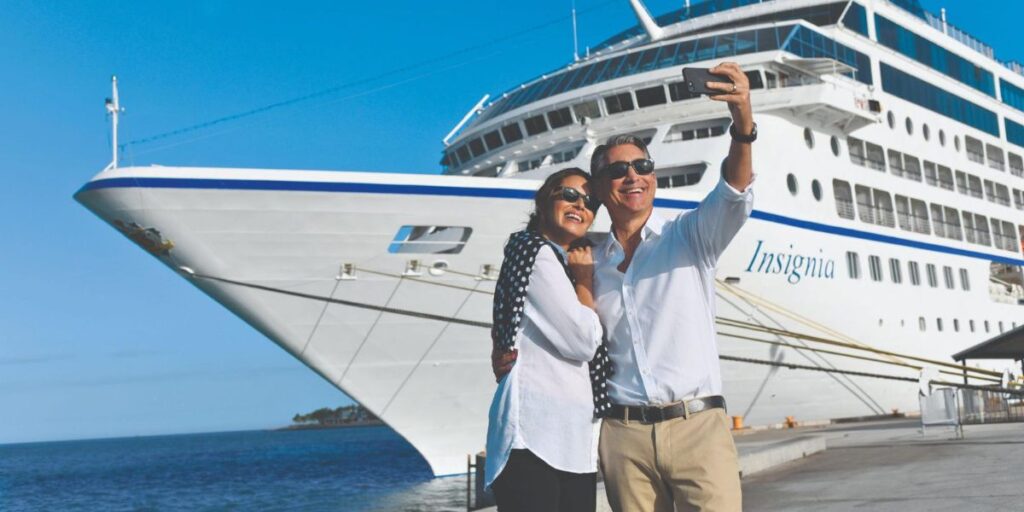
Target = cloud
(38,359)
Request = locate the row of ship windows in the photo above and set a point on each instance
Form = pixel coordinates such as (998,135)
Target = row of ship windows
(873,156)
(922,325)
(589,109)
(913,272)
(875,206)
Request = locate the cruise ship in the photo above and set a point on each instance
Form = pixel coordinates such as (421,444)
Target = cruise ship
(886,234)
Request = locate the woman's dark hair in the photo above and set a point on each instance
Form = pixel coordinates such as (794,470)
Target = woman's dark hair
(542,199)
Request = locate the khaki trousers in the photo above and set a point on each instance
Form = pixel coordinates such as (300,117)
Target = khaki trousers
(680,464)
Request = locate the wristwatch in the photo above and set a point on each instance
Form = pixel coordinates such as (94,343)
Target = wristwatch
(746,139)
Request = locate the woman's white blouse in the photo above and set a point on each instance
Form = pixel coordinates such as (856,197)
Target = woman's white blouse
(545,403)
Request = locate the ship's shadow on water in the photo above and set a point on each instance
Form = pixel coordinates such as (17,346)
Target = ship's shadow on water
(367,468)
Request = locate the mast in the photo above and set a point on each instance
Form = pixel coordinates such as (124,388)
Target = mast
(113,105)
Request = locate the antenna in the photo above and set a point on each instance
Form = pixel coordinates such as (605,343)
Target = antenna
(114,109)
(575,37)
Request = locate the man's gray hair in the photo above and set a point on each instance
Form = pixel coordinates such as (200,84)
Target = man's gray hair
(600,157)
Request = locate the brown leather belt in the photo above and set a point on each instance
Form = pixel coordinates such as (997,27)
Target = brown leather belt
(648,414)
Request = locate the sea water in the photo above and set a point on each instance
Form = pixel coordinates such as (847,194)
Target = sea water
(362,468)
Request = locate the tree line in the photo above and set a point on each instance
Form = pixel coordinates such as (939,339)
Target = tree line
(341,416)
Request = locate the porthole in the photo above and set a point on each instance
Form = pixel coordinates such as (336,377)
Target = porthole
(791,183)
(816,190)
(926,132)
(921,323)
(956,143)
(809,138)
(835,145)
(956,324)
(942,138)
(892,119)
(910,126)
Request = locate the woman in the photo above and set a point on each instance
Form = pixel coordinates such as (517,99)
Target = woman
(542,435)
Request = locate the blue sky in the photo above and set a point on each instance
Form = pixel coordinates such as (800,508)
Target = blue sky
(96,338)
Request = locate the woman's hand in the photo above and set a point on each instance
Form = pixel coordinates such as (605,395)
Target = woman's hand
(581,264)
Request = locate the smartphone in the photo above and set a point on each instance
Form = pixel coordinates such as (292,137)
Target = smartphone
(696,80)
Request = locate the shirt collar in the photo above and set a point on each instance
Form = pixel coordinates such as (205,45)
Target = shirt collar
(653,227)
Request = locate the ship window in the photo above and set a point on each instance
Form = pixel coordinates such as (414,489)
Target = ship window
(986,326)
(911,168)
(463,153)
(956,325)
(970,233)
(476,146)
(981,228)
(933,277)
(875,266)
(938,324)
(809,138)
(974,186)
(1002,194)
(914,272)
(853,264)
(926,132)
(679,92)
(895,271)
(945,177)
(685,176)
(990,193)
(493,140)
(698,130)
(430,240)
(956,143)
(921,323)
(975,149)
(791,183)
(512,133)
(587,110)
(930,177)
(892,119)
(995,157)
(622,102)
(938,223)
(856,151)
(816,189)
(883,203)
(895,163)
(965,282)
(1018,199)
(947,273)
(1011,236)
(937,99)
(650,96)
(997,234)
(919,216)
(953,224)
(754,77)
(942,138)
(910,126)
(535,125)
(961,182)
(844,199)
(835,145)
(970,323)
(559,118)
(865,207)
(770,81)
(1016,165)
(1000,327)
(903,213)
(875,156)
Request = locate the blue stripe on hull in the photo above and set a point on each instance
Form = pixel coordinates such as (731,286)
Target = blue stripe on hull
(502,193)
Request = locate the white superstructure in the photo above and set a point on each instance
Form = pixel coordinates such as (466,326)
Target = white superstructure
(888,213)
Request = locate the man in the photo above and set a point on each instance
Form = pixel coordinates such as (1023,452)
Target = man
(666,444)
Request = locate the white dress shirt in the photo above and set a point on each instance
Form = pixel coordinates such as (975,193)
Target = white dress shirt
(545,404)
(660,314)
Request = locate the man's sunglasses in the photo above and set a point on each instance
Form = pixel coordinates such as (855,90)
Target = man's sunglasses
(617,170)
(571,195)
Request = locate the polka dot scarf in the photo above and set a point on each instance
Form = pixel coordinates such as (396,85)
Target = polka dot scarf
(510,297)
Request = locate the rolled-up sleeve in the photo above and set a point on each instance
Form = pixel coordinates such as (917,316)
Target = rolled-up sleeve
(573,329)
(717,219)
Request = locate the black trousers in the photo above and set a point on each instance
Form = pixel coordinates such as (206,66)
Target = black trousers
(528,484)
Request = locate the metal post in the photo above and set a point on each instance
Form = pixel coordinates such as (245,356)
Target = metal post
(113,105)
(469,481)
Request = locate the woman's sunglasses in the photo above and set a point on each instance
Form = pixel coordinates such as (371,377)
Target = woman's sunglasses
(617,170)
(571,195)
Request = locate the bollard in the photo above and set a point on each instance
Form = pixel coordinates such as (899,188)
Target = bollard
(737,422)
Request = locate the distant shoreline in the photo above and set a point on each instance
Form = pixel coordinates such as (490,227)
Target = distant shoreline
(372,423)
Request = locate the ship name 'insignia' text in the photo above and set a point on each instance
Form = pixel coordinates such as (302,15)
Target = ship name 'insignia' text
(794,266)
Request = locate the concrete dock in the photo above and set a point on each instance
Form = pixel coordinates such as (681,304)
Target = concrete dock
(879,466)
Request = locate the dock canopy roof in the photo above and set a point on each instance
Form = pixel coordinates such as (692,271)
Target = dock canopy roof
(1009,345)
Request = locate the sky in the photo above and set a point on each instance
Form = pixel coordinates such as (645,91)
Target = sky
(99,340)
